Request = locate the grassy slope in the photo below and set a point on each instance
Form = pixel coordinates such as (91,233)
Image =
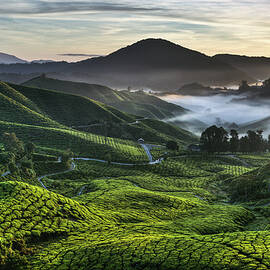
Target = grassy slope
(137,103)
(13,108)
(82,144)
(72,110)
(162,222)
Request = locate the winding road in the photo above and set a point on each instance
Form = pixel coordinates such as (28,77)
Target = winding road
(146,147)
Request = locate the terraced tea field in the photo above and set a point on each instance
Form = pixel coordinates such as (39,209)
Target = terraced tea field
(172,215)
(118,205)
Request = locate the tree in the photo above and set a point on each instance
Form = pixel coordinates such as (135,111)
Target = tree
(234,141)
(244,145)
(66,158)
(13,144)
(172,145)
(30,149)
(214,139)
(266,83)
(256,141)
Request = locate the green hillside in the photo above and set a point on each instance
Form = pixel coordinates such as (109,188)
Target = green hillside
(84,144)
(70,110)
(137,103)
(105,206)
(91,116)
(166,216)
(14,107)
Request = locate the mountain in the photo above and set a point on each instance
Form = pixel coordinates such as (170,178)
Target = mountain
(157,64)
(152,63)
(137,103)
(256,67)
(30,68)
(10,59)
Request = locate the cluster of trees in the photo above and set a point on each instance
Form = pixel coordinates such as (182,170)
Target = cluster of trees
(19,153)
(217,139)
(172,145)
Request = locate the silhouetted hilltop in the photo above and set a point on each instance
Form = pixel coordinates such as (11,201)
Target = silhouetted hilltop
(158,64)
(197,89)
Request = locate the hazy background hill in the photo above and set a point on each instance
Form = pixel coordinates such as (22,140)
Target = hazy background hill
(257,67)
(152,63)
(10,59)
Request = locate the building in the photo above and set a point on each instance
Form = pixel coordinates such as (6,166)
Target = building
(141,140)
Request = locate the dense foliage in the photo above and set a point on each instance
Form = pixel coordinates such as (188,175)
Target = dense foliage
(216,139)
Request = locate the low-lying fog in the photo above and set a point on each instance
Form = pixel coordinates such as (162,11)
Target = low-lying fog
(219,109)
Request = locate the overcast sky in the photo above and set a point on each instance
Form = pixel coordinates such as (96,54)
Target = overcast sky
(49,29)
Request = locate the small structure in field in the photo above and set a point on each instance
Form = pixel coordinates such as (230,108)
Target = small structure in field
(194,148)
(141,141)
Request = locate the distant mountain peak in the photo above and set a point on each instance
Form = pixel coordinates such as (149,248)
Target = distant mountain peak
(10,59)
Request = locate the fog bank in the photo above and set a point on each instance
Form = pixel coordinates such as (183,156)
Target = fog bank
(219,109)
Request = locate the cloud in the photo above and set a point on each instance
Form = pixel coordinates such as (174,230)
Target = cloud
(42,28)
(24,7)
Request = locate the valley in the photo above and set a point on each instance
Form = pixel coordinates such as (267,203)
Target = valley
(89,180)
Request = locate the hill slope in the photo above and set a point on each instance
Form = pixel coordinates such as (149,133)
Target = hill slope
(32,113)
(70,110)
(262,124)
(14,107)
(137,103)
(152,217)
(256,67)
(10,59)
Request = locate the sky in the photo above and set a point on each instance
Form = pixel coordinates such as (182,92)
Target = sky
(78,29)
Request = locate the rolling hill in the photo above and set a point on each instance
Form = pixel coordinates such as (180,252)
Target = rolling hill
(32,113)
(14,107)
(137,103)
(148,217)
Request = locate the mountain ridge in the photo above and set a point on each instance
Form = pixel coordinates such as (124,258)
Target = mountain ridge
(151,63)
(10,59)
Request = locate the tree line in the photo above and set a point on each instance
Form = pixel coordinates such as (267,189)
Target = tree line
(216,140)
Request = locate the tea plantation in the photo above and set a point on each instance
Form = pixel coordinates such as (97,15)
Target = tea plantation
(77,198)
(178,214)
